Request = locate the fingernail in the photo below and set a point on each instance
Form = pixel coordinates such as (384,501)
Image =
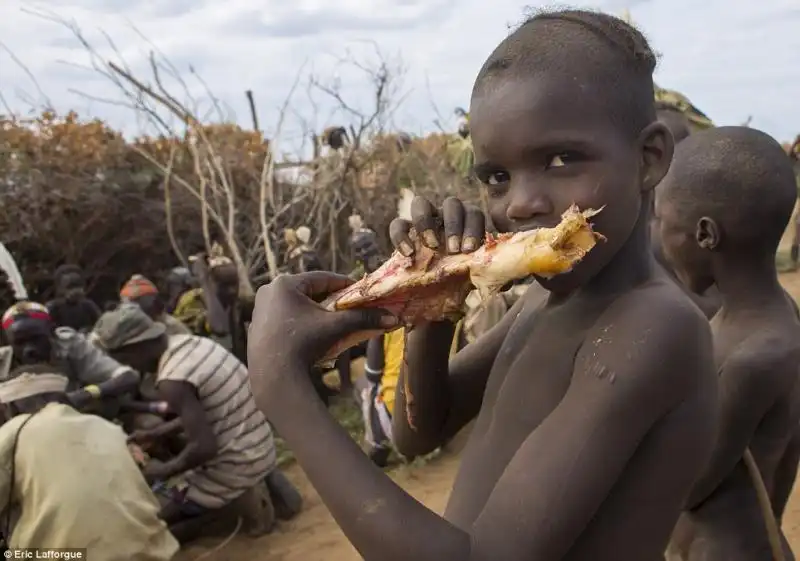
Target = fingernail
(430,239)
(406,249)
(469,244)
(388,321)
(453,244)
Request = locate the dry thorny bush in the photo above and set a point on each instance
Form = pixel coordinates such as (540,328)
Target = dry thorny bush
(73,190)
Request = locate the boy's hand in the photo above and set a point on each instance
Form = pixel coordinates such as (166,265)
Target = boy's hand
(79,399)
(290,331)
(455,228)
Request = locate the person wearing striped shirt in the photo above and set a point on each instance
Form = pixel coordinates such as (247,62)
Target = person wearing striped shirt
(230,447)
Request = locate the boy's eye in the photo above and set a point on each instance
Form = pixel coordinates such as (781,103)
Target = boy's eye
(496,178)
(560,160)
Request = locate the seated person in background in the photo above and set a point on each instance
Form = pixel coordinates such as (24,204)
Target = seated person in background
(229,444)
(723,208)
(215,309)
(92,374)
(71,308)
(68,480)
(144,293)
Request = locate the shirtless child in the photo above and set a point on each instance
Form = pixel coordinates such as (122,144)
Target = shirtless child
(595,409)
(678,124)
(723,208)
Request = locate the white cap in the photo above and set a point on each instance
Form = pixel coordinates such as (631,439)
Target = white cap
(29,384)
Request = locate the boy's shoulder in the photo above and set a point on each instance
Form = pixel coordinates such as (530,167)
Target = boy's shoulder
(651,336)
(771,350)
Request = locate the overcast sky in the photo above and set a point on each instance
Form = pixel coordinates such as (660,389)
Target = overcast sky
(732,58)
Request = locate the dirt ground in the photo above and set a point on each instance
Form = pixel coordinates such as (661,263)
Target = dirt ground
(314,536)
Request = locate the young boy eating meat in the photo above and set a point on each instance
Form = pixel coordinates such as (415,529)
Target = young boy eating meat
(595,409)
(723,208)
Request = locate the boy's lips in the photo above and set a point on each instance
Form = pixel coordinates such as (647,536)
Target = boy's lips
(536,225)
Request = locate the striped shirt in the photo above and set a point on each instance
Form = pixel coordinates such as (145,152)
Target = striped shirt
(246,450)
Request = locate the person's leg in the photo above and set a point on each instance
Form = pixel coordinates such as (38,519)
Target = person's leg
(256,509)
(186,519)
(286,499)
(345,376)
(377,441)
(323,391)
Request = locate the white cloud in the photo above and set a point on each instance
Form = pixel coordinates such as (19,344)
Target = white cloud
(733,58)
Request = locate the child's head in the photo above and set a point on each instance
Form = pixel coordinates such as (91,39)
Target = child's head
(675,121)
(563,112)
(729,195)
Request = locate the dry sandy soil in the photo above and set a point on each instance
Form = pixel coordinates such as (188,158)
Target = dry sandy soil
(314,536)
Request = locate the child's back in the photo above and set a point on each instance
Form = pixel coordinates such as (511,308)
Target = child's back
(722,210)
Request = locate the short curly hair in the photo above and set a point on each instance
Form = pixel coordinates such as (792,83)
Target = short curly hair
(610,53)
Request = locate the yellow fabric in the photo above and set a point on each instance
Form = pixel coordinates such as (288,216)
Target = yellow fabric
(393,352)
(393,347)
(77,486)
(191,311)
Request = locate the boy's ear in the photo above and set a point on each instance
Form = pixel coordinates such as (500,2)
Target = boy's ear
(707,233)
(657,148)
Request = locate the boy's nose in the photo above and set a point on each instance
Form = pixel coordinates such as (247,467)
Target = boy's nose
(528,203)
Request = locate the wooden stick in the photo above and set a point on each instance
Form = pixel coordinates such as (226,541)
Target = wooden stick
(252,103)
(773,532)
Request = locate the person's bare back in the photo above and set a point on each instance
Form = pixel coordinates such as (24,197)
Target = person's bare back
(728,192)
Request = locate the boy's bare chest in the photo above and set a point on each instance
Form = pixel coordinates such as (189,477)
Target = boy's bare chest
(530,377)
(533,371)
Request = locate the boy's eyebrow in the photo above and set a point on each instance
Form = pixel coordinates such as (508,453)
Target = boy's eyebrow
(561,141)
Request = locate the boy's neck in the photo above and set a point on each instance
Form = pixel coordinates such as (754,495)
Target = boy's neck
(632,265)
(747,282)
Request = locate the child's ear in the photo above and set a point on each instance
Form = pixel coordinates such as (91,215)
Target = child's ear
(707,233)
(657,147)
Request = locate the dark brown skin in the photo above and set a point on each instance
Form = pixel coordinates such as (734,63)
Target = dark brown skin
(757,352)
(710,301)
(598,402)
(182,398)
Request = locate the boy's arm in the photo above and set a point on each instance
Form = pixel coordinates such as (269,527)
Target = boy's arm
(201,444)
(94,367)
(749,383)
(445,394)
(557,480)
